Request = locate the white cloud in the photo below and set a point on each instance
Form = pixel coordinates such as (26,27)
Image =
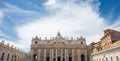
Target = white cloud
(51,2)
(72,20)
(1,17)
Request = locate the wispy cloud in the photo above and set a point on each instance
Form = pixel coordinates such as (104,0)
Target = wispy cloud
(17,10)
(34,5)
(116,25)
(1,20)
(81,19)
(4,35)
(17,14)
(1,17)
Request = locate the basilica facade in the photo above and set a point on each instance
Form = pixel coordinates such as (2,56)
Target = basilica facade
(59,49)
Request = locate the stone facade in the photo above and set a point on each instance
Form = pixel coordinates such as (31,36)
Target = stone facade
(59,49)
(108,48)
(9,53)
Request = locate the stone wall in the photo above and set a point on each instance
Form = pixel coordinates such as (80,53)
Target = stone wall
(108,48)
(11,53)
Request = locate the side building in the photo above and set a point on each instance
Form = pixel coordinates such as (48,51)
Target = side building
(59,49)
(108,48)
(9,53)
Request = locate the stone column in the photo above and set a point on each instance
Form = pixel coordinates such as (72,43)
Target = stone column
(56,54)
(5,56)
(61,54)
(17,57)
(39,52)
(72,54)
(75,54)
(81,52)
(44,54)
(0,54)
(65,55)
(10,56)
(51,54)
(78,55)
(30,53)
(85,55)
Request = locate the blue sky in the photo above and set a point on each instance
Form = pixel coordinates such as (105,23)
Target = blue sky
(20,20)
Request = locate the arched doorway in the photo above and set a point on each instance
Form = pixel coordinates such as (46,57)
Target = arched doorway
(35,57)
(47,58)
(70,58)
(58,58)
(63,59)
(82,57)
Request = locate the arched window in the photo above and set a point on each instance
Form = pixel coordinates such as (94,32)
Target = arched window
(2,56)
(82,57)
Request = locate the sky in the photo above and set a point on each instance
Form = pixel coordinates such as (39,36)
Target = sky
(22,20)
